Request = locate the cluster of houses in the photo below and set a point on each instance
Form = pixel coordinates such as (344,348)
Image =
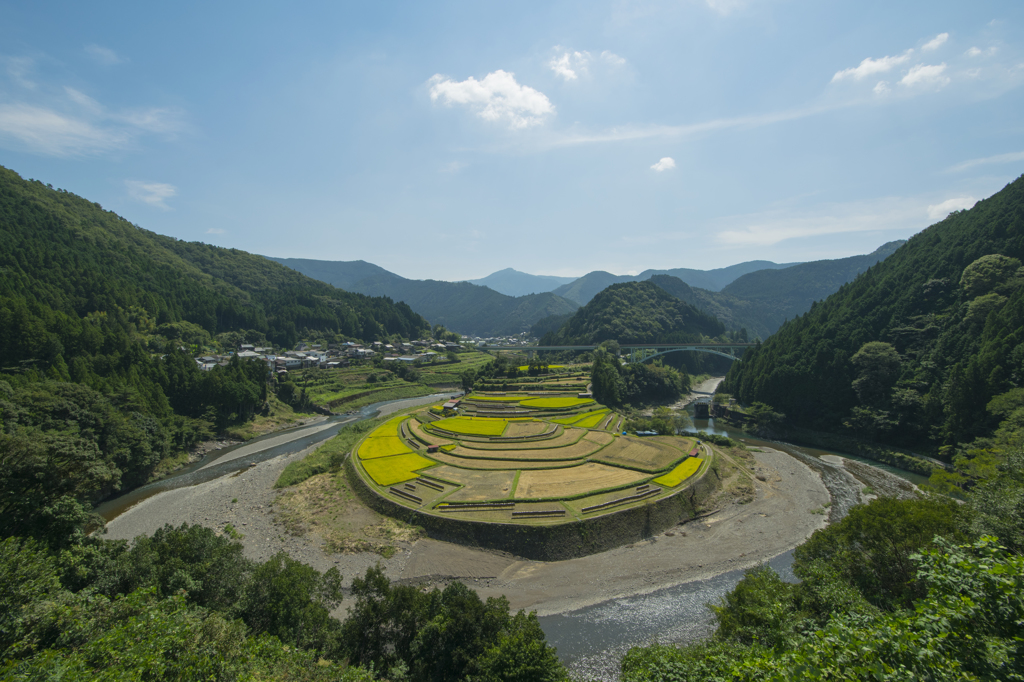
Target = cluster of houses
(334,356)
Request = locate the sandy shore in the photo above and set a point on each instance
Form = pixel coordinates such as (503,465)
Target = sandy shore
(785,511)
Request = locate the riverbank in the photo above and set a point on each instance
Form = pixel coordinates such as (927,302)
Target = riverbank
(784,511)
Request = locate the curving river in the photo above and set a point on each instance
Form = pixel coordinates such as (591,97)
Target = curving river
(590,641)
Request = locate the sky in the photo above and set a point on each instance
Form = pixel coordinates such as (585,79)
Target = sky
(449,140)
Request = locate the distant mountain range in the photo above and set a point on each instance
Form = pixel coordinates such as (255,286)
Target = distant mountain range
(756,295)
(514,283)
(586,287)
(460,306)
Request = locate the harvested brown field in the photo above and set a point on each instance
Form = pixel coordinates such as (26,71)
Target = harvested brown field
(646,455)
(479,485)
(567,437)
(417,430)
(600,437)
(520,429)
(574,480)
(575,451)
(493,464)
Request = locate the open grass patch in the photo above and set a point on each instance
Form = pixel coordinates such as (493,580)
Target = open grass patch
(591,420)
(683,471)
(495,398)
(555,402)
(395,469)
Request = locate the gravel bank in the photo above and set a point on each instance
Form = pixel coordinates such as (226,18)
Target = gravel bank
(785,511)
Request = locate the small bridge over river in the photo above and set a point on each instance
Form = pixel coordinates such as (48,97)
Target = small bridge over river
(639,352)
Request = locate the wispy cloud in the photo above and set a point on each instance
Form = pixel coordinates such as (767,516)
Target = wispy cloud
(998,158)
(152,193)
(870,67)
(935,43)
(624,134)
(940,211)
(925,75)
(215,230)
(67,122)
(103,55)
(725,7)
(664,164)
(612,58)
(497,97)
(772,227)
(49,132)
(19,68)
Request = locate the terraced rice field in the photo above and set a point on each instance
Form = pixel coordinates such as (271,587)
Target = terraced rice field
(682,472)
(472,426)
(555,403)
(570,459)
(548,483)
(642,454)
(396,469)
(382,446)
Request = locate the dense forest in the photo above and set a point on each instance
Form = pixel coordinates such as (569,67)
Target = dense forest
(96,318)
(924,350)
(461,306)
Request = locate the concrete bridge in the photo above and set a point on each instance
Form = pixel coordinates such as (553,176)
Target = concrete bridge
(640,352)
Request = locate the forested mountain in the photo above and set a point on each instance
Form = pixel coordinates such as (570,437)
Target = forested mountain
(761,301)
(916,349)
(459,306)
(514,283)
(588,286)
(635,312)
(94,390)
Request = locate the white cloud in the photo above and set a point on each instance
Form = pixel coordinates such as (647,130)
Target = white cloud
(664,164)
(926,74)
(612,58)
(152,193)
(940,211)
(215,230)
(49,132)
(725,7)
(870,67)
(103,55)
(498,97)
(887,215)
(453,166)
(18,69)
(75,124)
(973,52)
(935,42)
(881,88)
(998,158)
(569,64)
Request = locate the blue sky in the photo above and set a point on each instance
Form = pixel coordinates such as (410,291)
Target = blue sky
(450,140)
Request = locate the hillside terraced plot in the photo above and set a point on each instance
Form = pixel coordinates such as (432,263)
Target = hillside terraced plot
(556,461)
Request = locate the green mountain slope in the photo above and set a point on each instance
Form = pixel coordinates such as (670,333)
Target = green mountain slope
(947,332)
(761,301)
(635,312)
(459,306)
(93,389)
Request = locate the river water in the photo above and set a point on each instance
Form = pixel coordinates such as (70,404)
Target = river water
(225,461)
(592,641)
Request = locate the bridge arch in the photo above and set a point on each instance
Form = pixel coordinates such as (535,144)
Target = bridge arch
(644,357)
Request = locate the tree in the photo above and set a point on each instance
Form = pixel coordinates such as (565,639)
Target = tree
(878,366)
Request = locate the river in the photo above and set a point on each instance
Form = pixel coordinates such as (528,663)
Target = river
(592,640)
